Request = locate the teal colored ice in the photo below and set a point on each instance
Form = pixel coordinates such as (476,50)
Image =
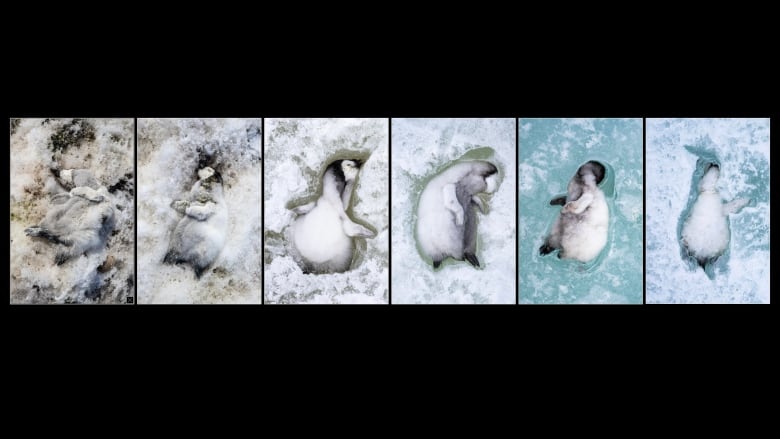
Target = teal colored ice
(551,151)
(676,151)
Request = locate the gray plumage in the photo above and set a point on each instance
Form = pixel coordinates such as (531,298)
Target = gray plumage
(78,221)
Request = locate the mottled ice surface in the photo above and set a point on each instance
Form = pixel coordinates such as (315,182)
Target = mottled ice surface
(742,148)
(551,151)
(421,149)
(105,275)
(170,151)
(296,154)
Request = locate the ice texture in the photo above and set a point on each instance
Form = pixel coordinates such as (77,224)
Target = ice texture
(170,152)
(296,154)
(741,146)
(421,149)
(551,151)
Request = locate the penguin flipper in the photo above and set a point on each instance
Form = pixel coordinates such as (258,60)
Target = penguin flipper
(87,193)
(578,206)
(558,201)
(451,203)
(43,232)
(201,212)
(735,206)
(353,229)
(60,198)
(480,204)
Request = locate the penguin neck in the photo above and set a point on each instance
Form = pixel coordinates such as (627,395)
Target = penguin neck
(331,194)
(337,192)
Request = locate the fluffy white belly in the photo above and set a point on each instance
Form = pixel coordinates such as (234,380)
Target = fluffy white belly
(437,232)
(318,236)
(706,232)
(204,240)
(583,240)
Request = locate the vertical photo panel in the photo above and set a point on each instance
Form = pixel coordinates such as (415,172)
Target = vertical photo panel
(453,207)
(708,211)
(326,211)
(581,204)
(199,220)
(72,211)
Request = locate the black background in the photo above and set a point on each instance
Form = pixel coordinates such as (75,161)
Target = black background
(403,79)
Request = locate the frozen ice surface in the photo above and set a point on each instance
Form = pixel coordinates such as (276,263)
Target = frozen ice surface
(170,152)
(421,149)
(103,146)
(742,148)
(296,153)
(551,151)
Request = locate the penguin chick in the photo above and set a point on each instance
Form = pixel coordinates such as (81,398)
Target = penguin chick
(200,234)
(446,216)
(78,222)
(322,234)
(706,233)
(580,230)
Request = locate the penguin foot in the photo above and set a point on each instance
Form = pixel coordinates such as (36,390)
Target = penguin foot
(558,201)
(436,264)
(40,232)
(472,258)
(546,249)
(61,258)
(172,257)
(199,271)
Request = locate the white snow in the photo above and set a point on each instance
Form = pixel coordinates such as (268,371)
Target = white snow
(742,146)
(296,153)
(34,276)
(168,161)
(421,148)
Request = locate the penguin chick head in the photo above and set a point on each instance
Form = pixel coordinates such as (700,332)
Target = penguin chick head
(208,176)
(205,173)
(490,173)
(709,182)
(350,168)
(591,173)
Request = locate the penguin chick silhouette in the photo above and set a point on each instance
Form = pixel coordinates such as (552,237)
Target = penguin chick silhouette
(446,217)
(580,231)
(201,233)
(706,233)
(79,221)
(322,234)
